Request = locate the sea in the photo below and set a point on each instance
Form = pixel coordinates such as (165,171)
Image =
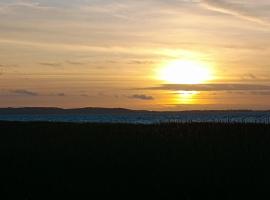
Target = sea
(262,117)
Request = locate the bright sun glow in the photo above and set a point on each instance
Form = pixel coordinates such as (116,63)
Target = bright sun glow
(185,72)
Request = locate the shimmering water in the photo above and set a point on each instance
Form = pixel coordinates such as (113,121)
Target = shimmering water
(147,118)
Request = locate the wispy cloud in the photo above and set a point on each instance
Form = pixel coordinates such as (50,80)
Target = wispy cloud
(142,97)
(50,64)
(134,50)
(84,95)
(236,9)
(249,76)
(75,62)
(61,94)
(24,92)
(1,69)
(22,5)
(141,62)
(263,93)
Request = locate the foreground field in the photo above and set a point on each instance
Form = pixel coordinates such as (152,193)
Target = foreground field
(80,161)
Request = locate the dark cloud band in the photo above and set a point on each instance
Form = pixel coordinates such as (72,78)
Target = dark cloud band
(141,97)
(211,87)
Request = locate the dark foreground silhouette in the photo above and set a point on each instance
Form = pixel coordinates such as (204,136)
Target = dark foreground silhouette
(92,161)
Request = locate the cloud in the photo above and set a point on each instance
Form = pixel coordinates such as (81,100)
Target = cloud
(135,50)
(263,93)
(23,4)
(61,94)
(249,76)
(1,69)
(236,9)
(211,87)
(74,62)
(142,97)
(141,62)
(50,64)
(24,92)
(8,65)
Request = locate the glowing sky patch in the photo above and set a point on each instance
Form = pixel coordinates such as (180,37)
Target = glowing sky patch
(102,52)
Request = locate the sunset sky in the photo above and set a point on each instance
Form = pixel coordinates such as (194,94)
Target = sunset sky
(138,54)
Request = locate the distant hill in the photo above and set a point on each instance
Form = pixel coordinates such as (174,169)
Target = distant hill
(52,110)
(95,110)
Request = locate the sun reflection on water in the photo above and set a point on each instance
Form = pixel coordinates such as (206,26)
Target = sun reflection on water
(187,97)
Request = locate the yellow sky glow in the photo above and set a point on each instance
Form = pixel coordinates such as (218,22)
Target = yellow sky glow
(135,54)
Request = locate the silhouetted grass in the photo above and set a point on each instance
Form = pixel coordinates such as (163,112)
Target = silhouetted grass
(190,160)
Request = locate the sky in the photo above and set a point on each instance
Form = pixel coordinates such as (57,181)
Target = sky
(137,54)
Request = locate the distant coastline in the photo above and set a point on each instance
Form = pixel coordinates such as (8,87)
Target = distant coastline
(99,110)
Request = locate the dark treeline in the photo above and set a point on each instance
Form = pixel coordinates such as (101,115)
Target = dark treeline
(80,161)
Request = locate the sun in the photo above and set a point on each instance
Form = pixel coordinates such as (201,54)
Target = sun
(185,72)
